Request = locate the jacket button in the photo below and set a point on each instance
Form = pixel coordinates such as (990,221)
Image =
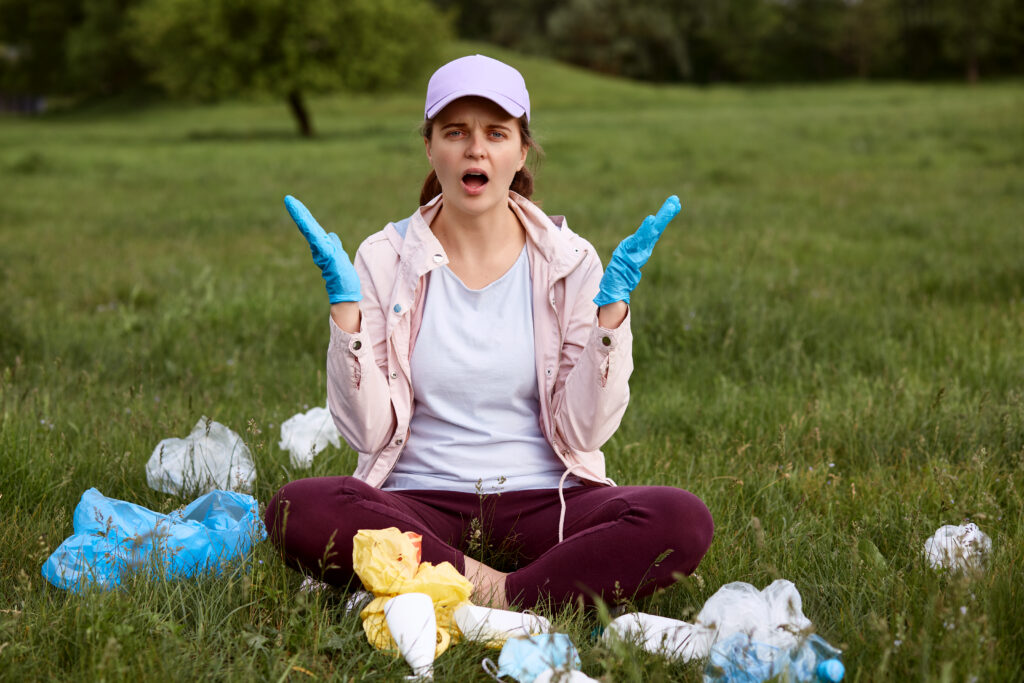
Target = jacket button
(394,375)
(398,308)
(398,442)
(356,345)
(438,258)
(607,341)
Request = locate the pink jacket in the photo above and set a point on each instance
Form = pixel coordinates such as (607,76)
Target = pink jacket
(582,369)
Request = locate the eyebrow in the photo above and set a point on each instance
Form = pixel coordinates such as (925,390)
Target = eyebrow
(460,124)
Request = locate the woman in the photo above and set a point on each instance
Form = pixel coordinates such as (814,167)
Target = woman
(477,374)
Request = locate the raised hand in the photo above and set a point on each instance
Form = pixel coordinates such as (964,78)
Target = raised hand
(339,274)
(623,272)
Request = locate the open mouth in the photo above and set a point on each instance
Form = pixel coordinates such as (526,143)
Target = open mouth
(474,180)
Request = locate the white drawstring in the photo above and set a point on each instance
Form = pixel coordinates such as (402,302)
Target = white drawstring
(561,497)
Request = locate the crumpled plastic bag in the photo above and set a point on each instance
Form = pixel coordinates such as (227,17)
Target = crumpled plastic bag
(304,435)
(211,457)
(387,561)
(739,659)
(773,616)
(113,538)
(526,659)
(958,548)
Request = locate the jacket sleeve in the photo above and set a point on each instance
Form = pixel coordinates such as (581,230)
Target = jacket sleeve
(592,389)
(358,393)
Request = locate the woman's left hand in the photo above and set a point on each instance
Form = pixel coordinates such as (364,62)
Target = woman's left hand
(623,272)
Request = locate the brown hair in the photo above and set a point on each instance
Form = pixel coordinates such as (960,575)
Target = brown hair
(522,183)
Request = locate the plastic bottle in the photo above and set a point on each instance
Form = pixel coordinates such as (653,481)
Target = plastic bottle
(738,659)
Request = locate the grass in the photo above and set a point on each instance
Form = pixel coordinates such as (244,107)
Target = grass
(827,344)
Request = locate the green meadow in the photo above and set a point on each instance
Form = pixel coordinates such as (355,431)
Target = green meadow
(829,349)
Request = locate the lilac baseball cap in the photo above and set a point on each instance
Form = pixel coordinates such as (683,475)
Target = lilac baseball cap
(480,76)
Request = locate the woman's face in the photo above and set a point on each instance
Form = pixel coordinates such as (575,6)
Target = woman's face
(475,148)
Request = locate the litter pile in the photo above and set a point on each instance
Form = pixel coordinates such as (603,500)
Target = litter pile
(113,538)
(210,457)
(738,627)
(306,434)
(958,548)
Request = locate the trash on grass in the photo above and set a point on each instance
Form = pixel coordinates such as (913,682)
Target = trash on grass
(738,659)
(773,616)
(540,657)
(387,561)
(211,457)
(495,626)
(113,538)
(411,621)
(304,435)
(958,547)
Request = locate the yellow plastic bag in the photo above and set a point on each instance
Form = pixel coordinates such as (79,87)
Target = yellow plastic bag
(387,561)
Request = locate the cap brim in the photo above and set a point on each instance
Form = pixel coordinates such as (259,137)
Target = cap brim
(514,110)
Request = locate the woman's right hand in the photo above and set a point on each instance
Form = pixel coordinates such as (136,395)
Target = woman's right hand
(339,274)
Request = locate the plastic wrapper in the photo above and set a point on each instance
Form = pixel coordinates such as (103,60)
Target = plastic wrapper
(548,655)
(306,434)
(113,538)
(958,548)
(738,659)
(211,457)
(773,616)
(387,561)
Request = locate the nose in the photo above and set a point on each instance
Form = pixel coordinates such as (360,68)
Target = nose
(476,148)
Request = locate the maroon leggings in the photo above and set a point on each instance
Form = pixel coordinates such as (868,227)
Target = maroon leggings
(619,542)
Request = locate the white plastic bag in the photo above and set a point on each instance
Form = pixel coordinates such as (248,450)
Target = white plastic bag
(211,457)
(957,547)
(773,616)
(306,434)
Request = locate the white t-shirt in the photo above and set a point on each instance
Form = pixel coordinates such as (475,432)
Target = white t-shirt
(475,425)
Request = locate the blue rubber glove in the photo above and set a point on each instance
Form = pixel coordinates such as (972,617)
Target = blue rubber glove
(623,272)
(339,274)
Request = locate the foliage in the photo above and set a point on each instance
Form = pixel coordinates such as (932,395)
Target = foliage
(758,40)
(75,47)
(209,49)
(827,348)
(620,37)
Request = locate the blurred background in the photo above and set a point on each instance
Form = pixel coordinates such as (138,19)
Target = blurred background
(60,52)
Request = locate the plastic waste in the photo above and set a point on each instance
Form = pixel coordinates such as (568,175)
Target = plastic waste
(387,561)
(739,659)
(526,659)
(210,457)
(410,619)
(113,538)
(305,435)
(958,548)
(670,638)
(495,626)
(773,616)
(562,676)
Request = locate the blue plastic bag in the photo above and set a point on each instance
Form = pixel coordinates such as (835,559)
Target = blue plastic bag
(526,658)
(113,538)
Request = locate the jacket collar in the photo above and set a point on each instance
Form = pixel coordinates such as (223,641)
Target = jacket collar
(550,237)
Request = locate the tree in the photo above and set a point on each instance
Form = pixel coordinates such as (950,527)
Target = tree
(34,32)
(622,38)
(870,29)
(210,49)
(729,38)
(67,47)
(968,28)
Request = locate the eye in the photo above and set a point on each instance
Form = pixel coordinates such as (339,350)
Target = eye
(498,135)
(453,133)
